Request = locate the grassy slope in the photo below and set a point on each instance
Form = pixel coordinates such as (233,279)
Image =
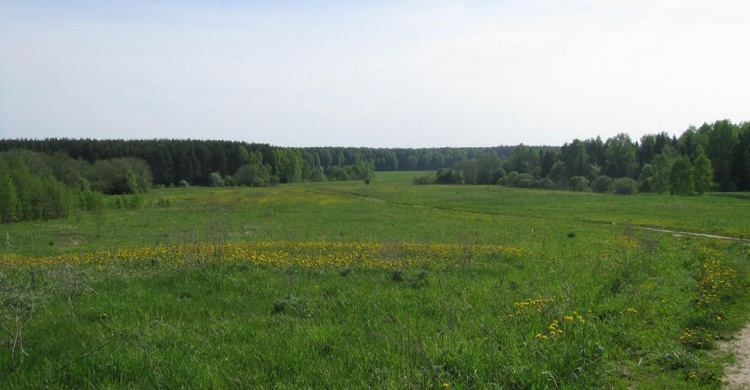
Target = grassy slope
(461,321)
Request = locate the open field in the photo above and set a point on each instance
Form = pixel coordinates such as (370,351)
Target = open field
(391,285)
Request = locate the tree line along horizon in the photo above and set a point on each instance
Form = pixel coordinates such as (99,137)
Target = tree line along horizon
(44,179)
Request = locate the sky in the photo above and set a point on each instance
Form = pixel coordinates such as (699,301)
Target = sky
(375,74)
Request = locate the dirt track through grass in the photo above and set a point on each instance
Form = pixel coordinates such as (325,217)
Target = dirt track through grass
(738,374)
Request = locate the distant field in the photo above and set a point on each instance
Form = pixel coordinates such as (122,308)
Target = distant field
(386,285)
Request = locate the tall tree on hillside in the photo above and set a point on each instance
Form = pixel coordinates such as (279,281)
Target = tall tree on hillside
(576,159)
(723,140)
(704,172)
(523,159)
(620,156)
(647,149)
(681,179)
(662,168)
(546,161)
(742,158)
(689,142)
(8,197)
(489,169)
(595,149)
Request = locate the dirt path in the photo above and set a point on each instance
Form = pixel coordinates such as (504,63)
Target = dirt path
(679,233)
(738,375)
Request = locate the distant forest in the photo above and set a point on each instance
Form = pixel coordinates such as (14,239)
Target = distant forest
(194,161)
(42,179)
(713,157)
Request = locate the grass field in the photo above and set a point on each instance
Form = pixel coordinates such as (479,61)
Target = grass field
(388,285)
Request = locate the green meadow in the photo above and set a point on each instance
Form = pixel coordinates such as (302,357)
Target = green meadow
(386,285)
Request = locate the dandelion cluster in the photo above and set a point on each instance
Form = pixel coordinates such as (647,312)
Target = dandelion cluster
(630,310)
(555,328)
(715,280)
(698,338)
(536,304)
(277,253)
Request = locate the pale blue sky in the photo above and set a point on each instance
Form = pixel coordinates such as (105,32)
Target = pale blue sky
(386,73)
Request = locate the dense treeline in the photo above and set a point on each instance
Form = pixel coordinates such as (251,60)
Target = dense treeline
(712,157)
(201,162)
(35,185)
(42,179)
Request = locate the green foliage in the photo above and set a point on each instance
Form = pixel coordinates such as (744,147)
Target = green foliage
(511,178)
(624,304)
(130,202)
(318,176)
(447,176)
(579,183)
(558,171)
(120,176)
(229,181)
(620,156)
(722,142)
(681,179)
(455,320)
(8,197)
(523,159)
(252,175)
(575,160)
(601,184)
(727,147)
(662,169)
(215,180)
(625,186)
(424,179)
(704,172)
(29,195)
(523,180)
(545,183)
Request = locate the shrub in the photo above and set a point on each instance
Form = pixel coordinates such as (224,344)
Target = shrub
(448,176)
(182,184)
(545,183)
(524,180)
(253,175)
(215,180)
(645,185)
(625,186)
(426,179)
(601,184)
(90,201)
(318,176)
(578,183)
(511,178)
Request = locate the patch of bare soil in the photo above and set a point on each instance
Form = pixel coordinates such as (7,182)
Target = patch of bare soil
(738,375)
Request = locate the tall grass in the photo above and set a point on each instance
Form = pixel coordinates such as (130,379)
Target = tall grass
(495,301)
